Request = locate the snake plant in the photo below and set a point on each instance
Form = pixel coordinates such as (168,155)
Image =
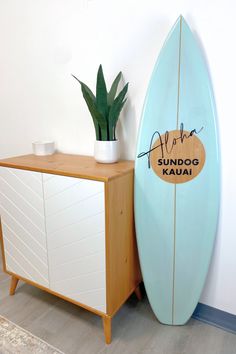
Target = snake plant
(106,106)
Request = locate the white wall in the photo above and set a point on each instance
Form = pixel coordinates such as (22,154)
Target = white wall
(42,42)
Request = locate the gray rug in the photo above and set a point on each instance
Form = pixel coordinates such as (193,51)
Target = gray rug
(16,340)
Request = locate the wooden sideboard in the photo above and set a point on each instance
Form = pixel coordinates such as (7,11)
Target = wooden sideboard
(67,227)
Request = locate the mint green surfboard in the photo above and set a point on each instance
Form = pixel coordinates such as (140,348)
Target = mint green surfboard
(177,178)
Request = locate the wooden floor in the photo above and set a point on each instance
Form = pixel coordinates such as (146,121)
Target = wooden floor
(135,329)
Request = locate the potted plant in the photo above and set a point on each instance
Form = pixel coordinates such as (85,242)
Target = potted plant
(105,109)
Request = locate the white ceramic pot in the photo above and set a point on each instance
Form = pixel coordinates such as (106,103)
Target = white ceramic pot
(42,148)
(106,151)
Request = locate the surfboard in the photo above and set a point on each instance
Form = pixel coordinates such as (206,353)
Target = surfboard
(177,178)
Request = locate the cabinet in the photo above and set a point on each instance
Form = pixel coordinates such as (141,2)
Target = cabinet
(67,227)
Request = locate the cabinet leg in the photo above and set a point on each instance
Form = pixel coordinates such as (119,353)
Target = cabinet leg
(107,329)
(14,282)
(138,293)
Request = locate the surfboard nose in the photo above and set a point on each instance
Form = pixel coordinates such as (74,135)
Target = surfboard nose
(181,20)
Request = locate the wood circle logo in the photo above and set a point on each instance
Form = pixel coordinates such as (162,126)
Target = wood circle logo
(177,156)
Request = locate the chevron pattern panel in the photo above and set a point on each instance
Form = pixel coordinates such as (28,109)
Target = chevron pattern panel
(23,224)
(75,223)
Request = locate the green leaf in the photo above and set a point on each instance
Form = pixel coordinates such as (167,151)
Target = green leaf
(101,93)
(112,93)
(98,119)
(88,89)
(92,97)
(112,126)
(121,95)
(115,110)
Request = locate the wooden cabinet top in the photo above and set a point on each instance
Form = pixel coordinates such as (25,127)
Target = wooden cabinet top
(69,165)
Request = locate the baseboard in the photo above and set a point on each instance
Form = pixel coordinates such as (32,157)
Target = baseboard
(215,317)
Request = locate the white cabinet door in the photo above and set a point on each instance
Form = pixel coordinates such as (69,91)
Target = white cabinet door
(23,224)
(75,223)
